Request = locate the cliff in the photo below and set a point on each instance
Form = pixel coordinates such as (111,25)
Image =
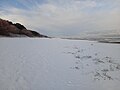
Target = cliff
(9,29)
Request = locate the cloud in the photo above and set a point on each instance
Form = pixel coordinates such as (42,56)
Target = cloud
(65,17)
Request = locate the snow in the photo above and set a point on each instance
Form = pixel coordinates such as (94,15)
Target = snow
(58,64)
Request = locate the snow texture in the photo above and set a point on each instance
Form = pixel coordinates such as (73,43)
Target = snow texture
(58,64)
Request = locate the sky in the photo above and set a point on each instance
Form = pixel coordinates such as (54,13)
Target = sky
(63,17)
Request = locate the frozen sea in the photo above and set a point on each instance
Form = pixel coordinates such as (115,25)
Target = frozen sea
(58,64)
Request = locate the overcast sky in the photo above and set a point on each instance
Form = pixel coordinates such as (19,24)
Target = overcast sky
(63,17)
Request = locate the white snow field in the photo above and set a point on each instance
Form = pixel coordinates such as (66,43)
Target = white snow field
(58,64)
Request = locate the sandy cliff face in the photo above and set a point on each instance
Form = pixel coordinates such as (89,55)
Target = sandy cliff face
(9,29)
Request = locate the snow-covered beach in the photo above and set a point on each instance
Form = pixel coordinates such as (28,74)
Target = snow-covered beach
(58,64)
